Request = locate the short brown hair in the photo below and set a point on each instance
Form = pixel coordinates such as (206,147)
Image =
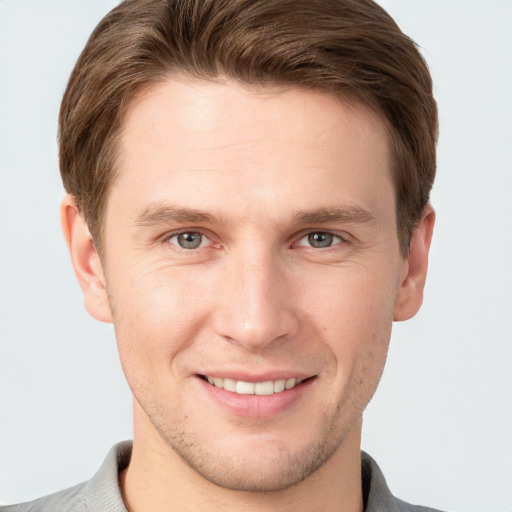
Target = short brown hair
(351,48)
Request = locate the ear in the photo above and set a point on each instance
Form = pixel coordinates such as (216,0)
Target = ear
(85,260)
(410,294)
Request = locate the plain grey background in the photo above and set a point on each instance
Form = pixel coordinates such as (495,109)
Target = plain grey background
(440,425)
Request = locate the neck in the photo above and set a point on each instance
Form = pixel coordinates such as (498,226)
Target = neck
(158,479)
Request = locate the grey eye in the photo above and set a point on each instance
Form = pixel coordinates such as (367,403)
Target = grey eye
(320,240)
(189,240)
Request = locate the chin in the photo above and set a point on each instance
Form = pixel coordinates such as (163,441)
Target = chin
(264,465)
(250,473)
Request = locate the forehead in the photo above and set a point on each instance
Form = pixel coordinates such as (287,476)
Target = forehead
(250,144)
(217,110)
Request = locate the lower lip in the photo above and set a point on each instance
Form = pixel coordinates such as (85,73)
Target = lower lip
(256,406)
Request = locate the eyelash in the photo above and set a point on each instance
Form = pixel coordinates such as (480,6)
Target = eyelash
(337,239)
(174,236)
(328,234)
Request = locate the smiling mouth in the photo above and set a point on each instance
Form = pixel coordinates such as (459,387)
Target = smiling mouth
(269,387)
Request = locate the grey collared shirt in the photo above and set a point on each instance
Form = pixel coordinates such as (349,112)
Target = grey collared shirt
(102,493)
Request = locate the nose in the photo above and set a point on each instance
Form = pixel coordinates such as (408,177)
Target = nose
(255,307)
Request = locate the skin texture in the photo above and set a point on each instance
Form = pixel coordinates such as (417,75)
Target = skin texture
(253,173)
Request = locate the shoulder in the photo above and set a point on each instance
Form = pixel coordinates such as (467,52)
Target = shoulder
(69,500)
(100,493)
(402,506)
(377,495)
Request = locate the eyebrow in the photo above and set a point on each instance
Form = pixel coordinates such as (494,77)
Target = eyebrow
(352,214)
(166,214)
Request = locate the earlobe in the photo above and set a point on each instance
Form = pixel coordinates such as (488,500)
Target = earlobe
(410,294)
(85,260)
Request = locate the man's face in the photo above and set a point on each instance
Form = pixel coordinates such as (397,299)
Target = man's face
(250,238)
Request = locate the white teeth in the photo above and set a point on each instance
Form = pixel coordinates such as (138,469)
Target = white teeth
(244,388)
(264,388)
(268,387)
(230,385)
(279,385)
(290,383)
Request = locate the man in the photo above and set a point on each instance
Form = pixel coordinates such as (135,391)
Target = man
(248,187)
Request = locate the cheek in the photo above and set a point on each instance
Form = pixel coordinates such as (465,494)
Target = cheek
(352,300)
(156,317)
(354,316)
